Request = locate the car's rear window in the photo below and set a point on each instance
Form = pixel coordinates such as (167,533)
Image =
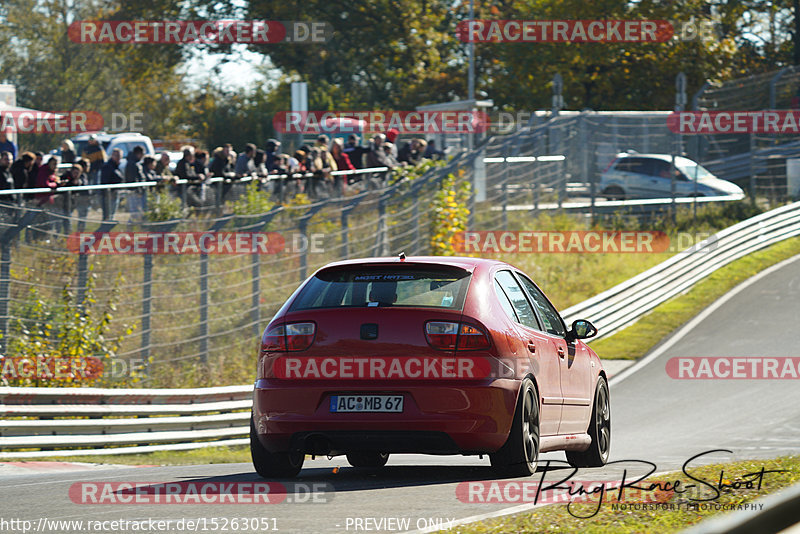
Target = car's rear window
(385,287)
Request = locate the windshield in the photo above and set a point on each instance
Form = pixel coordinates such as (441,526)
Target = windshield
(359,287)
(692,170)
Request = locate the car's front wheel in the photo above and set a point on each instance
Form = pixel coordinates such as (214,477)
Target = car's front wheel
(520,453)
(599,430)
(273,464)
(367,459)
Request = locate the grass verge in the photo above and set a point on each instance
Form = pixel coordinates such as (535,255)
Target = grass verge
(636,340)
(670,511)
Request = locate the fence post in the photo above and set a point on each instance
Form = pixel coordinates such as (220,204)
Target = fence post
(204,293)
(83,264)
(752,169)
(345,232)
(302,225)
(583,138)
(505,193)
(204,308)
(381,239)
(255,271)
(5,286)
(67,223)
(147,281)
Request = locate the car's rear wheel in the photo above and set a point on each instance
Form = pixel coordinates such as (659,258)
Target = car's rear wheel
(599,430)
(520,453)
(273,464)
(613,193)
(367,459)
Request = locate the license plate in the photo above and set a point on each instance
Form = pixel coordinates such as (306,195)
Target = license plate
(366,403)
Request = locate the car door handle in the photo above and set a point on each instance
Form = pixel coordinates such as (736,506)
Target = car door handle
(531,348)
(561,351)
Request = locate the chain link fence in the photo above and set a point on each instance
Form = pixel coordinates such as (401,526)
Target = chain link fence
(195,318)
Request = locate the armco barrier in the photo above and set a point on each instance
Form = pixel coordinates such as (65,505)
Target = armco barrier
(143,420)
(174,419)
(620,306)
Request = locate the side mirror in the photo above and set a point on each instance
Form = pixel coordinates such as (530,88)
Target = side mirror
(581,329)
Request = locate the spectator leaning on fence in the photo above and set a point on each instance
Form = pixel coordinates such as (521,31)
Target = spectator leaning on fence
(149,169)
(260,163)
(37,164)
(222,164)
(273,147)
(7,145)
(185,169)
(6,178)
(21,169)
(162,166)
(46,178)
(412,152)
(431,152)
(97,157)
(75,177)
(343,163)
(110,174)
(354,151)
(244,163)
(84,179)
(67,151)
(376,157)
(391,139)
(134,174)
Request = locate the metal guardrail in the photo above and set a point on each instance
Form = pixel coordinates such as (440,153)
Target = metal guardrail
(194,418)
(620,306)
(182,418)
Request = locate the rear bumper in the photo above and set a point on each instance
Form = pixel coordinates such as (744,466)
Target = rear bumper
(436,419)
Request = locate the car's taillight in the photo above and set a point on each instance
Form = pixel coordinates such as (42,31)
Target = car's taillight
(613,161)
(441,334)
(290,337)
(472,338)
(446,335)
(299,336)
(274,340)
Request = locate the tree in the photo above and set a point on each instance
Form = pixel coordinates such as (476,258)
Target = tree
(53,73)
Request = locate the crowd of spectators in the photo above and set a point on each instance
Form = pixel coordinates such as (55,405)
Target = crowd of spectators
(310,169)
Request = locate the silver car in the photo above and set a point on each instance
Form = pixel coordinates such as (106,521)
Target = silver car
(633,175)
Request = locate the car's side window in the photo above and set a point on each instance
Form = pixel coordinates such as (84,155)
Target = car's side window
(637,165)
(552,321)
(525,314)
(662,168)
(504,302)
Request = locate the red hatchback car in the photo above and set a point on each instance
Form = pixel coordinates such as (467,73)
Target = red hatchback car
(437,355)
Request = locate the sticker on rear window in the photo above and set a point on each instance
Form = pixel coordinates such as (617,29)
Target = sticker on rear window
(382,277)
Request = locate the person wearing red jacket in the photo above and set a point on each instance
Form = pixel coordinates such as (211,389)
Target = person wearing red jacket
(343,163)
(46,177)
